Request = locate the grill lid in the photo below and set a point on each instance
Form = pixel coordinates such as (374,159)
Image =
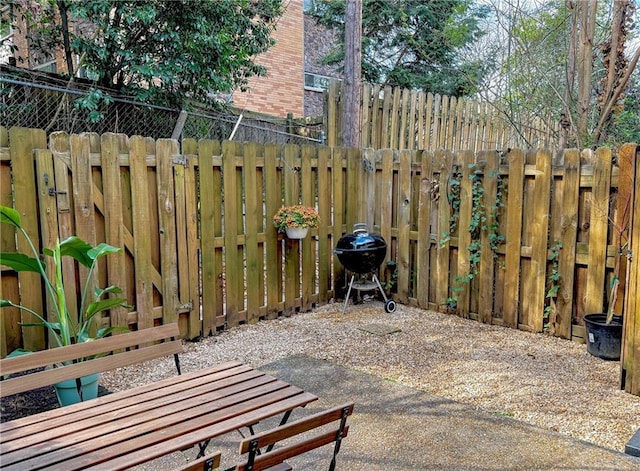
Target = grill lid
(361,252)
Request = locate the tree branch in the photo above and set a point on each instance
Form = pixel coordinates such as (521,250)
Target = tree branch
(608,106)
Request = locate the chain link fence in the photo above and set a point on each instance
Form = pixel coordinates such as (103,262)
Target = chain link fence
(39,100)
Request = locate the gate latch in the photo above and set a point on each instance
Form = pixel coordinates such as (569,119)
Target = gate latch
(54,192)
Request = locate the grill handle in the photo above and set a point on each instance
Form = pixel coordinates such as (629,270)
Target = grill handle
(360,228)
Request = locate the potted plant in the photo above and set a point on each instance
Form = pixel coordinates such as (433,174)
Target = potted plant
(62,326)
(296,220)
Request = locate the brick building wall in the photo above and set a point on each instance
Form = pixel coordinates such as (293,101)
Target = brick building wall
(281,91)
(318,41)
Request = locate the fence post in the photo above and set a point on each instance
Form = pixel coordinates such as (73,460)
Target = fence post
(567,257)
(111,146)
(539,241)
(423,247)
(630,359)
(232,209)
(22,143)
(404,217)
(599,225)
(513,259)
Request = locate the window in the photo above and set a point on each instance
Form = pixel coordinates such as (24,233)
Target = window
(49,66)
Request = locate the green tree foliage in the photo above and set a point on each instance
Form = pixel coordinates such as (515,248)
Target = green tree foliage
(412,43)
(626,124)
(542,75)
(167,51)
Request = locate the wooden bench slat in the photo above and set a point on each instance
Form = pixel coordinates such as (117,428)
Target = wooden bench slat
(84,349)
(297,427)
(47,377)
(278,455)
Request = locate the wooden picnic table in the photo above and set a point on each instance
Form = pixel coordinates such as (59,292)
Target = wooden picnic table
(127,428)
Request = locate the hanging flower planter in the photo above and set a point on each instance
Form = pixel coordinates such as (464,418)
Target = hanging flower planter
(296,220)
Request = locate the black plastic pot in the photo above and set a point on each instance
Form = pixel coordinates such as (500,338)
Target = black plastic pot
(603,340)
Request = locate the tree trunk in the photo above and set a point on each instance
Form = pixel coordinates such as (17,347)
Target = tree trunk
(618,70)
(568,129)
(352,74)
(64,25)
(587,10)
(587,13)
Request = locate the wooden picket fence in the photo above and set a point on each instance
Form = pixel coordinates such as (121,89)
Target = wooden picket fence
(399,118)
(200,247)
(630,360)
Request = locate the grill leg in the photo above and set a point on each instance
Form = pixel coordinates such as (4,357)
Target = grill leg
(346,300)
(375,278)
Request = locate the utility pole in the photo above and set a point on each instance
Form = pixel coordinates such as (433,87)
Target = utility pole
(352,74)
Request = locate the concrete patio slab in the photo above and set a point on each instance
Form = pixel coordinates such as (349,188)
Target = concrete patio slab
(399,428)
(379,329)
(633,446)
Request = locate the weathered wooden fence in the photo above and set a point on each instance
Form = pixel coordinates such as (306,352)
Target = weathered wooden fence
(399,118)
(630,360)
(489,235)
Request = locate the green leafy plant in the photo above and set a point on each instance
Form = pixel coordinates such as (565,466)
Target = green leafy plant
(95,102)
(295,216)
(482,220)
(64,328)
(453,198)
(553,286)
(622,249)
(392,279)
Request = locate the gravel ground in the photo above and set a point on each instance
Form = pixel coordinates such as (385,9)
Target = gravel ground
(541,380)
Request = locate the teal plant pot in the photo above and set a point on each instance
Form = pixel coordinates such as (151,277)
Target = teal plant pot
(67,391)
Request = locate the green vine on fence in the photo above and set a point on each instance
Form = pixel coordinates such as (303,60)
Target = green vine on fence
(553,286)
(495,238)
(482,221)
(453,197)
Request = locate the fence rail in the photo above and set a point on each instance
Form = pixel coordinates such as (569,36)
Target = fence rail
(484,235)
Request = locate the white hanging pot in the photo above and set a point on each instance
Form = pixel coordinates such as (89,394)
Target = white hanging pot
(297,232)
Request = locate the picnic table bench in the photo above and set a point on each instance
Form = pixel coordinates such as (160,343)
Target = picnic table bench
(120,430)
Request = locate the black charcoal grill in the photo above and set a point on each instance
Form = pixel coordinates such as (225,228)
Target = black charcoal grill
(362,253)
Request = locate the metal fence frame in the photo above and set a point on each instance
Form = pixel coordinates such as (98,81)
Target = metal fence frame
(35,99)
